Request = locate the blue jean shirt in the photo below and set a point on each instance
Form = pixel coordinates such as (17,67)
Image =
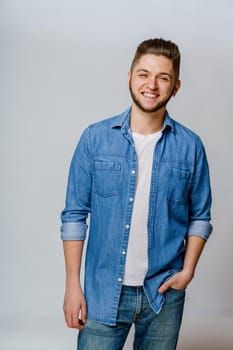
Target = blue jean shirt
(102,181)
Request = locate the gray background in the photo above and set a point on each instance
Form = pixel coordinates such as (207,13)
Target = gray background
(63,66)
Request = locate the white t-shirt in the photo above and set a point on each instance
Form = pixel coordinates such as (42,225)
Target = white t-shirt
(137,253)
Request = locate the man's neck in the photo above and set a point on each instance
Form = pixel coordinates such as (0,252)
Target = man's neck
(146,123)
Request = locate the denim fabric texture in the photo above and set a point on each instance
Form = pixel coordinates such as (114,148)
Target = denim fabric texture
(152,331)
(102,182)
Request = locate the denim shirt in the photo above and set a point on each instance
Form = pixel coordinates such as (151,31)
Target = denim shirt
(102,182)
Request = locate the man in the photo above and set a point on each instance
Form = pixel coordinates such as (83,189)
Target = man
(144,179)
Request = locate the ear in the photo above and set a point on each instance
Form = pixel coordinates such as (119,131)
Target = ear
(176,87)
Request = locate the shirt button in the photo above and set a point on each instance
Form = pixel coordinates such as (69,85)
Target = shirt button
(119,279)
(131,199)
(127,226)
(133,172)
(123,252)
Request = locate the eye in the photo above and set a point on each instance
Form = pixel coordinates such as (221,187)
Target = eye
(164,78)
(142,75)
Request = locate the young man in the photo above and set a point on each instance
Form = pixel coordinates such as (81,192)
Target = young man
(144,179)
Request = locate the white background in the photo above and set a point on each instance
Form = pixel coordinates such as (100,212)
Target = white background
(63,66)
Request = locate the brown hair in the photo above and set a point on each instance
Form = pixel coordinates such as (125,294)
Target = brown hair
(159,47)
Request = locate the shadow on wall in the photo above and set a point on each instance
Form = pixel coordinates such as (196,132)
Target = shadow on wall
(207,346)
(207,334)
(201,333)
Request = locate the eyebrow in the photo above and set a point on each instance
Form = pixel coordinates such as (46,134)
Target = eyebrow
(142,70)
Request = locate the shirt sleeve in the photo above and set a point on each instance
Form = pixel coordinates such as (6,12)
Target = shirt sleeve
(200,197)
(78,194)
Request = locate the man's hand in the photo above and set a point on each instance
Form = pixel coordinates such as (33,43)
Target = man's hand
(194,247)
(75,307)
(179,281)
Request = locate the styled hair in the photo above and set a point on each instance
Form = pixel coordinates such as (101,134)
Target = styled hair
(159,47)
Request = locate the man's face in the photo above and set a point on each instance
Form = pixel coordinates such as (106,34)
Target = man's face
(152,83)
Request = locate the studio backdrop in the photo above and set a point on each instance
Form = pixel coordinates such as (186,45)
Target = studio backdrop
(64,65)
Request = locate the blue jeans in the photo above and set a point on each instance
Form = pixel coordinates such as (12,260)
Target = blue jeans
(152,331)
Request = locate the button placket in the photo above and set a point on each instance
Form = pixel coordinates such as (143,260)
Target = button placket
(131,193)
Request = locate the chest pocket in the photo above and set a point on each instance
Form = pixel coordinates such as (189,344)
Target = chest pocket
(106,178)
(179,186)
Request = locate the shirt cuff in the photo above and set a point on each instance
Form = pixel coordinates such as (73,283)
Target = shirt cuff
(73,231)
(200,228)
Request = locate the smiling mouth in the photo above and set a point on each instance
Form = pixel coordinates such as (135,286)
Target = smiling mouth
(147,94)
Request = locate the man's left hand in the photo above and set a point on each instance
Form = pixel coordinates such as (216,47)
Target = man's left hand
(179,281)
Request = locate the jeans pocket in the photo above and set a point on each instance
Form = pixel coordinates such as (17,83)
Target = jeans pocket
(175,296)
(177,290)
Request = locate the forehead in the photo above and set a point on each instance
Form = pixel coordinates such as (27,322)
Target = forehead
(154,63)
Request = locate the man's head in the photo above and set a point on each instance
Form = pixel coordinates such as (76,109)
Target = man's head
(154,75)
(159,47)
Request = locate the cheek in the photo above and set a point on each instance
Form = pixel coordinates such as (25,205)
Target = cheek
(136,86)
(167,90)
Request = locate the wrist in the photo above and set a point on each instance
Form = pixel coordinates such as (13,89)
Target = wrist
(188,273)
(72,282)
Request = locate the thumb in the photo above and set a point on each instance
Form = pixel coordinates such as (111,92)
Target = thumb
(83,313)
(164,287)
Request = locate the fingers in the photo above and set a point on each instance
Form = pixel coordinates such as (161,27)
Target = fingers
(178,281)
(73,321)
(165,286)
(168,284)
(76,317)
(75,308)
(83,313)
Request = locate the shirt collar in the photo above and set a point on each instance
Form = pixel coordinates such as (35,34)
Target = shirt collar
(123,121)
(168,123)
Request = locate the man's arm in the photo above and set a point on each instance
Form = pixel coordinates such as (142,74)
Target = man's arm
(199,228)
(74,301)
(181,279)
(74,228)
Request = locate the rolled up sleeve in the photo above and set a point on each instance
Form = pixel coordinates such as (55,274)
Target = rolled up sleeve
(72,231)
(200,198)
(200,228)
(78,195)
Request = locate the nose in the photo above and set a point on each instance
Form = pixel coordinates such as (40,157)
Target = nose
(153,83)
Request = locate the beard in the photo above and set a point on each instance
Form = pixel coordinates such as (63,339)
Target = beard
(160,105)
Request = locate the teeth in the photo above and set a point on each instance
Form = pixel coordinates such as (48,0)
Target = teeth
(147,94)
